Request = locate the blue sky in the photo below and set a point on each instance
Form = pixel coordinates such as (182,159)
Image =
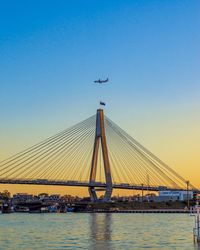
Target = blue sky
(51,51)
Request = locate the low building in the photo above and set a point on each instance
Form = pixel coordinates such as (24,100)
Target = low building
(22,197)
(54,197)
(174,195)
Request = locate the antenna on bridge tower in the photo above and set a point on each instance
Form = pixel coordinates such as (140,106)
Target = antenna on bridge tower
(100,136)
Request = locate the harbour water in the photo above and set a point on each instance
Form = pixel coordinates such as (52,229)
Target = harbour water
(96,231)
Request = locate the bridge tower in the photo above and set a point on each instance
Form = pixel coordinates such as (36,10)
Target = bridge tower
(100,137)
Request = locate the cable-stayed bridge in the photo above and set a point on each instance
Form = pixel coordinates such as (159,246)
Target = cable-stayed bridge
(95,153)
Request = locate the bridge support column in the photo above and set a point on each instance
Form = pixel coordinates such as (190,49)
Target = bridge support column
(100,136)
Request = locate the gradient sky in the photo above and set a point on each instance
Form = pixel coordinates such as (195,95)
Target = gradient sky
(51,51)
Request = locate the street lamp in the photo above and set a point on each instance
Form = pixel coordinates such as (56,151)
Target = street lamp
(188,202)
(142,191)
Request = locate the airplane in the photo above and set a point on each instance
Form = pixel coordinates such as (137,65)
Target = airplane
(102,103)
(101,81)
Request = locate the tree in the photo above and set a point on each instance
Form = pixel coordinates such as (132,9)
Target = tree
(5,195)
(43,195)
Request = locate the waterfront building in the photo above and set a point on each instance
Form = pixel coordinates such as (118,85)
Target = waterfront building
(171,195)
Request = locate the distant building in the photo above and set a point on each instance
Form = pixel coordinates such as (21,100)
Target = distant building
(170,195)
(22,197)
(54,197)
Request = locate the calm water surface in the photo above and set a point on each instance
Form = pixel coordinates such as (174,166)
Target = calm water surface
(96,231)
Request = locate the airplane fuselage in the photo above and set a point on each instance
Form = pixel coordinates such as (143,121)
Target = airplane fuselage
(101,81)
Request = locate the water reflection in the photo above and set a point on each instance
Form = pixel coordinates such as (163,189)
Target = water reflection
(101,231)
(96,231)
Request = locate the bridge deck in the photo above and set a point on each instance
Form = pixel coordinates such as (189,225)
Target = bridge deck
(87,184)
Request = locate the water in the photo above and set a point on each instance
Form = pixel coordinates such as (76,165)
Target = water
(96,231)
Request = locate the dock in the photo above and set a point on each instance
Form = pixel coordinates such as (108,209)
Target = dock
(142,211)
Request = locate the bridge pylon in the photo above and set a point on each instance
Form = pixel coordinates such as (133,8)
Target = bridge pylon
(100,137)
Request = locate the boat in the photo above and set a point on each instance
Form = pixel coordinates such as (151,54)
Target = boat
(20,209)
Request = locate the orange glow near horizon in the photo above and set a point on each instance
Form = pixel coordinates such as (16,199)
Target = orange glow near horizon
(74,191)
